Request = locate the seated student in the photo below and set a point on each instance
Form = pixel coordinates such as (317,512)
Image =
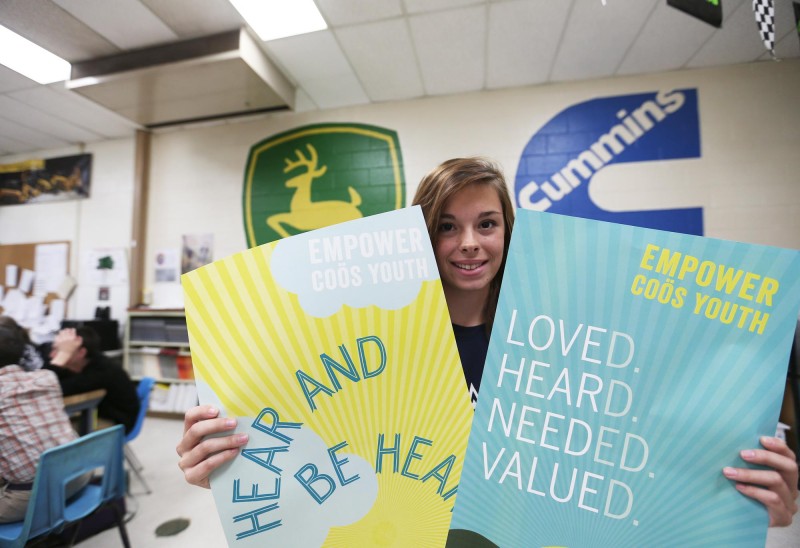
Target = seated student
(31,360)
(81,367)
(32,420)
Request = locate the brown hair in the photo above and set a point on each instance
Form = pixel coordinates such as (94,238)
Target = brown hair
(90,340)
(12,341)
(449,178)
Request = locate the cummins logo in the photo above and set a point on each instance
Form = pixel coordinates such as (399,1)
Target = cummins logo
(558,163)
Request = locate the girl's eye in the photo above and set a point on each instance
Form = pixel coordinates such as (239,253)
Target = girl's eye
(488,223)
(446,227)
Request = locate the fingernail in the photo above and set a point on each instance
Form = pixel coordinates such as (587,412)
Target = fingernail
(748,454)
(230,423)
(241,439)
(768,440)
(212,411)
(730,472)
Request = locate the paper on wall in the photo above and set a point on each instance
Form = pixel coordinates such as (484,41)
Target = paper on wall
(11,275)
(26,281)
(50,263)
(167,265)
(14,303)
(33,311)
(106,266)
(55,314)
(66,287)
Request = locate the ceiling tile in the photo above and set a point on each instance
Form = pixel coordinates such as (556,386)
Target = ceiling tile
(9,145)
(310,56)
(35,138)
(739,41)
(349,12)
(523,38)
(31,117)
(336,91)
(127,24)
(422,6)
(450,49)
(55,100)
(667,41)
(597,37)
(383,58)
(212,16)
(381,50)
(785,47)
(46,24)
(302,102)
(11,80)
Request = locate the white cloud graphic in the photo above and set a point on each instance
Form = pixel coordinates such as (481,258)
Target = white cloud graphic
(380,260)
(303,521)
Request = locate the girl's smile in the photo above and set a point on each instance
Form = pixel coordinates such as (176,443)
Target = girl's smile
(469,239)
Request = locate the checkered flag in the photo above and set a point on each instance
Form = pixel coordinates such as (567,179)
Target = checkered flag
(765,17)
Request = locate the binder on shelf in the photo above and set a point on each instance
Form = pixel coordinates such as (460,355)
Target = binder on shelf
(136,365)
(175,330)
(185,369)
(185,397)
(167,362)
(149,360)
(159,397)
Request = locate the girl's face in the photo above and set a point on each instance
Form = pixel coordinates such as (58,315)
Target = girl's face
(470,239)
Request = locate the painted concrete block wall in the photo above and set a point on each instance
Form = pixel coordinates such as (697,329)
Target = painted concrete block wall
(745,180)
(101,221)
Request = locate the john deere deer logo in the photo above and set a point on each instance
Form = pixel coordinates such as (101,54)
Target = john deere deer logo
(315,176)
(305,214)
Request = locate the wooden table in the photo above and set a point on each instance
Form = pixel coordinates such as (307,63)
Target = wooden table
(86,404)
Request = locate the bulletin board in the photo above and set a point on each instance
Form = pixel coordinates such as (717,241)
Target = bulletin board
(24,256)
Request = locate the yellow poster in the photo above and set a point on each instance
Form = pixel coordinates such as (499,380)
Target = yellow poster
(334,351)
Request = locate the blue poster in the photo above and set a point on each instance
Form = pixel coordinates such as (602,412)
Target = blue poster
(627,366)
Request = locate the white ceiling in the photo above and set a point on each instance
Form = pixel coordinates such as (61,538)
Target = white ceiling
(378,50)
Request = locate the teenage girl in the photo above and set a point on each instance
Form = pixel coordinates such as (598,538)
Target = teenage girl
(469,217)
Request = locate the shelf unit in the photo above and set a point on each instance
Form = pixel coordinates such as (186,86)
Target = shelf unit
(156,344)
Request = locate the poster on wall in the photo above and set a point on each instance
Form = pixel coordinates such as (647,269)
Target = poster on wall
(40,180)
(197,251)
(167,266)
(106,266)
(318,175)
(627,367)
(334,351)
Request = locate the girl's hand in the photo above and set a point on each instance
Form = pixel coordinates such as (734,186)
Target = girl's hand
(201,455)
(775,488)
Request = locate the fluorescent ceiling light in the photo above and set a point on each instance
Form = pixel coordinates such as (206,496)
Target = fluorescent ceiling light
(23,56)
(273,19)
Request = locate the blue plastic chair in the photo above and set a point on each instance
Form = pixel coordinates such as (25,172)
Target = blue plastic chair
(49,511)
(143,392)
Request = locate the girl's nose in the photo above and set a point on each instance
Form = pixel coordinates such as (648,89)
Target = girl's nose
(468,242)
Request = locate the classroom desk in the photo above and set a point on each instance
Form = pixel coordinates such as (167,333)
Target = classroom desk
(84,403)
